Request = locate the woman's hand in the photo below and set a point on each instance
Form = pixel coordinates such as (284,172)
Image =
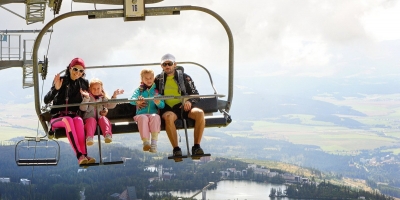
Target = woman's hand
(57,81)
(84,93)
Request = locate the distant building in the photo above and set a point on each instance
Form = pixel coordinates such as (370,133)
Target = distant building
(231,169)
(251,166)
(272,174)
(224,173)
(4,180)
(238,173)
(129,194)
(167,176)
(261,171)
(25,181)
(290,178)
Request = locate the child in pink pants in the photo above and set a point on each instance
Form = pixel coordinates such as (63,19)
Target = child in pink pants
(147,118)
(98,112)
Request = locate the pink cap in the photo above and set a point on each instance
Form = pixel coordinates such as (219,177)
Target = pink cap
(77,61)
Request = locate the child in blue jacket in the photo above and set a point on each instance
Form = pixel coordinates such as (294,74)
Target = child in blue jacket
(147,117)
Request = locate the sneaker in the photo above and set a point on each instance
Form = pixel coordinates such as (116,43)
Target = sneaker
(108,138)
(90,160)
(82,160)
(177,152)
(146,146)
(153,148)
(89,141)
(197,151)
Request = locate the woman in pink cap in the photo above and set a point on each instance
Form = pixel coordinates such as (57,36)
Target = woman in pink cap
(70,89)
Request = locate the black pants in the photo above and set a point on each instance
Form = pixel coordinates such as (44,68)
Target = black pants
(179,112)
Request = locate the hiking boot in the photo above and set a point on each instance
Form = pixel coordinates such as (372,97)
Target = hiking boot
(82,160)
(197,150)
(108,138)
(89,141)
(146,146)
(90,160)
(153,148)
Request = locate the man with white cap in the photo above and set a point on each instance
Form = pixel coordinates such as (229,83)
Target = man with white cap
(172,82)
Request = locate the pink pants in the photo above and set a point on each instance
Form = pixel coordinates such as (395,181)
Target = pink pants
(90,126)
(74,131)
(148,123)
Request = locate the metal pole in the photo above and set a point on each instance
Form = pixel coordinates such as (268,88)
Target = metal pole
(35,58)
(22,31)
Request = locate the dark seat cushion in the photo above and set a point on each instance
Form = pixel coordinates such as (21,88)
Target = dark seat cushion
(121,118)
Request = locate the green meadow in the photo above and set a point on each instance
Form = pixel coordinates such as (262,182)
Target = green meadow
(381,120)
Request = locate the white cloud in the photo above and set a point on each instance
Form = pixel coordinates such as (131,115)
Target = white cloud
(295,38)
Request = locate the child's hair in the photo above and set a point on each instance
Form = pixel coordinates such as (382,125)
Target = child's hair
(142,73)
(97,81)
(146,71)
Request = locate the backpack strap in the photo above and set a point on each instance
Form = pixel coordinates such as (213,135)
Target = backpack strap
(181,82)
(161,83)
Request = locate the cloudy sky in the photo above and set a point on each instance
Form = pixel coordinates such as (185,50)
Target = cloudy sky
(324,38)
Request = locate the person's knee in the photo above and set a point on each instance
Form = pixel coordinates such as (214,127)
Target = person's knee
(169,116)
(196,113)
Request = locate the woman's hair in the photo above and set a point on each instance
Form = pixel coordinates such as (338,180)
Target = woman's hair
(97,81)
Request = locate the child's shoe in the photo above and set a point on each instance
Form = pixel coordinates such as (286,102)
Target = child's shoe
(146,146)
(153,148)
(90,160)
(82,160)
(89,141)
(108,138)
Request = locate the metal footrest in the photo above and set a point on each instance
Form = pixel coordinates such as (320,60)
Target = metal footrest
(176,157)
(37,162)
(104,163)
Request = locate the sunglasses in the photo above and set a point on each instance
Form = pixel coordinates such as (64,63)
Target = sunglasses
(168,63)
(76,69)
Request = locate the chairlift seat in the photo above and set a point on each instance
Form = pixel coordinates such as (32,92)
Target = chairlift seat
(121,118)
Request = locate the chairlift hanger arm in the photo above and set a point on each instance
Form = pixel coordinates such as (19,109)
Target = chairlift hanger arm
(82,13)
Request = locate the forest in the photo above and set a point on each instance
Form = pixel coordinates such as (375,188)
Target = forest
(64,181)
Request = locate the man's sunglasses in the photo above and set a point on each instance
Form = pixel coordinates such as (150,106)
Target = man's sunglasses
(168,63)
(76,69)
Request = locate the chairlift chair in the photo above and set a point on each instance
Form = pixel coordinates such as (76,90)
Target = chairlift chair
(121,117)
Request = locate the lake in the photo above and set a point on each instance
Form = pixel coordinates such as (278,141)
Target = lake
(236,190)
